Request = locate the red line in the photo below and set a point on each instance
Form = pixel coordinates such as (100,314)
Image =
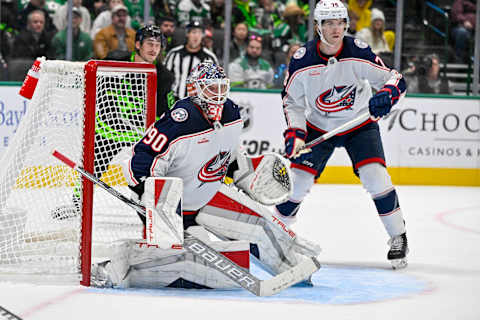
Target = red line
(440,217)
(50,302)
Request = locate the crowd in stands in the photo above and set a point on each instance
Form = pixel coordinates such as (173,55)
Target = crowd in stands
(265,33)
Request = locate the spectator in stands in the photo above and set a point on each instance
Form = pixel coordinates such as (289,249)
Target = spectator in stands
(281,70)
(217,13)
(116,37)
(208,39)
(463,15)
(362,9)
(374,34)
(293,29)
(244,11)
(238,45)
(189,10)
(135,12)
(352,28)
(164,8)
(251,71)
(82,49)
(167,26)
(60,18)
(104,19)
(33,41)
(269,14)
(95,7)
(424,77)
(34,5)
(180,60)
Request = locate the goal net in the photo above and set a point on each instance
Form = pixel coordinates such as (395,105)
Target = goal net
(54,224)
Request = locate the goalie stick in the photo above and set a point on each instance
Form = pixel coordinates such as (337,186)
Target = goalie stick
(213,258)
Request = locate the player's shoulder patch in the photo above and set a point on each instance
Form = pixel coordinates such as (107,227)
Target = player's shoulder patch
(360,43)
(179,114)
(299,53)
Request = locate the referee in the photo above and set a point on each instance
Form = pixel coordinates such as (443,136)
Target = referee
(180,60)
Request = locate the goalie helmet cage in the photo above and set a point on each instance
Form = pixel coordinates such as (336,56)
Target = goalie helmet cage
(53,222)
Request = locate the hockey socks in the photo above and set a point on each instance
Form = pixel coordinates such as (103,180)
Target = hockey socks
(388,209)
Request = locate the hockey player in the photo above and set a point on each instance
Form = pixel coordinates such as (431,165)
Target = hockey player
(329,83)
(196,141)
(149,43)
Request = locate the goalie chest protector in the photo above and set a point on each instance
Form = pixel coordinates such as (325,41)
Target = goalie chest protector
(184,144)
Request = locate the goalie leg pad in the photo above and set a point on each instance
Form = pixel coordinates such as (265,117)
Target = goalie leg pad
(233,215)
(137,264)
(163,202)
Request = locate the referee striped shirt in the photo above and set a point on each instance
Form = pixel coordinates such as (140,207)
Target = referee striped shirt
(180,62)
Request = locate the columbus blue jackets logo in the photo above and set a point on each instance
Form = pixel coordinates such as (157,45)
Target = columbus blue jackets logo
(215,169)
(337,98)
(179,115)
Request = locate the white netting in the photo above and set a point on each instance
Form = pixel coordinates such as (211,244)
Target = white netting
(40,198)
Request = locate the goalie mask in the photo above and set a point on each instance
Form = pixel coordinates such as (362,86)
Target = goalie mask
(330,9)
(208,86)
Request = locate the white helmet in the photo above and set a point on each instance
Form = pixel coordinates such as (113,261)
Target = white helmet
(209,86)
(329,9)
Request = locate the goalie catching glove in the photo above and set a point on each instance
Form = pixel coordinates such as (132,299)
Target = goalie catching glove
(266,179)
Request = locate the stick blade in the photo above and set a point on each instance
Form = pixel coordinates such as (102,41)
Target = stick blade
(289,277)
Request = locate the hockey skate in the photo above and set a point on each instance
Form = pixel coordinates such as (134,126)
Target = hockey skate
(398,251)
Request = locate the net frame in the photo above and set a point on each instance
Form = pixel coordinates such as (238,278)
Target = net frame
(91,69)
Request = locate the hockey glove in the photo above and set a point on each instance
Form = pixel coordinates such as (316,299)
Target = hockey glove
(295,142)
(381,103)
(138,191)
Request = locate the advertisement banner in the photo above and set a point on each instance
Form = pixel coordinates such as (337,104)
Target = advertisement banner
(12,108)
(435,133)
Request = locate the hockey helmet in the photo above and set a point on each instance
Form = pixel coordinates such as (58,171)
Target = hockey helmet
(208,83)
(150,31)
(330,9)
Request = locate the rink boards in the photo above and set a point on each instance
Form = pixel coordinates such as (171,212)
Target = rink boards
(430,140)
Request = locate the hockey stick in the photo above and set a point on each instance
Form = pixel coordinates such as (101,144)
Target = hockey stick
(346,126)
(213,258)
(5,314)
